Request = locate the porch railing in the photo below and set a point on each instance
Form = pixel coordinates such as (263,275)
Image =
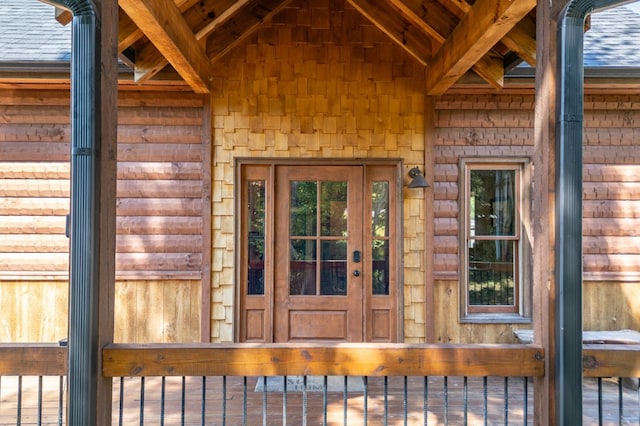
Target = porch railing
(387,384)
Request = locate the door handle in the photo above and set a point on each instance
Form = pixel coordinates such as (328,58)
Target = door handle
(356,273)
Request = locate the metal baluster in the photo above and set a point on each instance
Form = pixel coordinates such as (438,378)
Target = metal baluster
(121,407)
(19,413)
(386,400)
(526,400)
(485,400)
(304,400)
(204,399)
(39,400)
(60,401)
(366,397)
(325,385)
(264,400)
(163,388)
(182,403)
(406,401)
(345,391)
(600,419)
(506,401)
(620,404)
(465,399)
(141,400)
(425,406)
(284,401)
(224,400)
(446,400)
(244,400)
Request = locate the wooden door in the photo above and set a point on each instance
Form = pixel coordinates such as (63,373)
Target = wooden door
(318,288)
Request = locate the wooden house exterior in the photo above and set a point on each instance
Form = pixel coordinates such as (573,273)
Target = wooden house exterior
(317,97)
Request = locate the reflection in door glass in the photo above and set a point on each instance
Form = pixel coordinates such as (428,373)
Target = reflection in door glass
(302,267)
(333,268)
(380,237)
(333,209)
(255,256)
(380,209)
(380,267)
(304,202)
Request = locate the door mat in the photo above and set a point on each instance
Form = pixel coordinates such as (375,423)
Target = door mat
(314,384)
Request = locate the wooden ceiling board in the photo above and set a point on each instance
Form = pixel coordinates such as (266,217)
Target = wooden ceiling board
(395,27)
(230,33)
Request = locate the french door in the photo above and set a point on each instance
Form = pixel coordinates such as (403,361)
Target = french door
(332,272)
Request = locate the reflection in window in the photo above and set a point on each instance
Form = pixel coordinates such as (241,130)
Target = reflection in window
(304,207)
(333,268)
(314,203)
(492,237)
(333,209)
(302,267)
(380,240)
(256,237)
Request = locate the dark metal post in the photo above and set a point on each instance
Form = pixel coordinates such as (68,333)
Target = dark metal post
(88,227)
(569,149)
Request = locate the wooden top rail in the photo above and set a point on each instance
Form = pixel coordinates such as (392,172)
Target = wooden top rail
(38,359)
(304,359)
(611,360)
(322,359)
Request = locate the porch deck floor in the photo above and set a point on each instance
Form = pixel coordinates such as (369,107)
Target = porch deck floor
(436,410)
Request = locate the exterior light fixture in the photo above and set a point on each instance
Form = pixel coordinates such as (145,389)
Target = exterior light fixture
(417,179)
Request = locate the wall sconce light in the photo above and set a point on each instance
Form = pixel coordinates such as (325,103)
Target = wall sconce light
(417,179)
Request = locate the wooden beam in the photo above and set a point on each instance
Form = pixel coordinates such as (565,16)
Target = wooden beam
(489,67)
(128,31)
(367,359)
(259,13)
(485,24)
(521,39)
(163,24)
(149,61)
(398,31)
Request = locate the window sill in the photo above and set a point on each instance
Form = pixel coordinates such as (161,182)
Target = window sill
(495,319)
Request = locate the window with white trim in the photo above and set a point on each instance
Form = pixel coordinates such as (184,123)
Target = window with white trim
(493,247)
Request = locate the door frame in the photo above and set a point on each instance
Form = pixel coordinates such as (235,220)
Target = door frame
(396,226)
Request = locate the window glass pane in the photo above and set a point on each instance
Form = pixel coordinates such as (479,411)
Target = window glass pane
(256,216)
(380,209)
(302,267)
(333,207)
(492,203)
(333,268)
(491,272)
(380,268)
(304,200)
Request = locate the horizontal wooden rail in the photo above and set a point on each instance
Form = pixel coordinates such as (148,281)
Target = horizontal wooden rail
(611,360)
(19,359)
(322,359)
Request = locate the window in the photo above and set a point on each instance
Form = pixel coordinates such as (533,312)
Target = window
(493,247)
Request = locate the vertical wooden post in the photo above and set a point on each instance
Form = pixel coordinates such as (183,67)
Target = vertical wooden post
(207,161)
(543,205)
(429,163)
(108,104)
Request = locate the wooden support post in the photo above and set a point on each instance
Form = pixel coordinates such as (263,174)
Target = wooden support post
(429,164)
(543,206)
(107,182)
